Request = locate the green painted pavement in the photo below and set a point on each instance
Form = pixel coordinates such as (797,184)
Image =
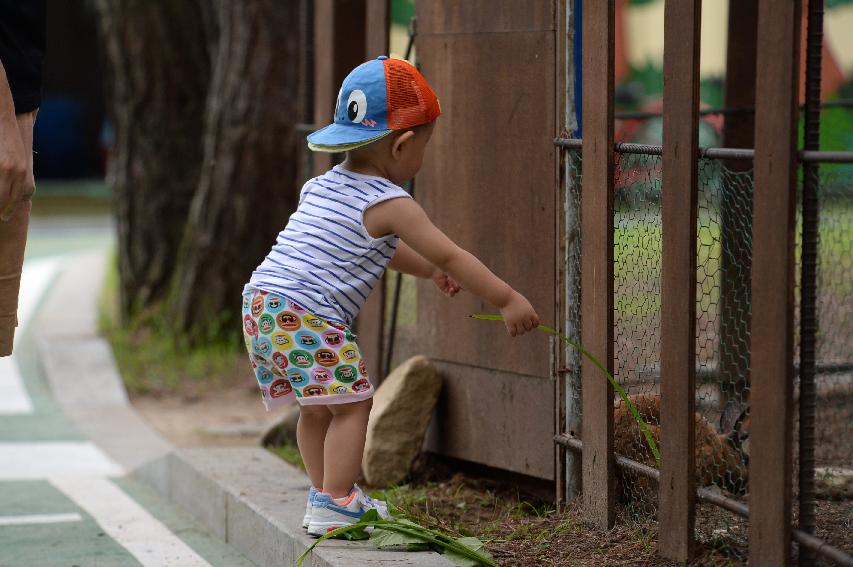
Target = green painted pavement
(47,422)
(66,544)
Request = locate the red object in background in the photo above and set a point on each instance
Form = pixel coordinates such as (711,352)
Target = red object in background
(831,76)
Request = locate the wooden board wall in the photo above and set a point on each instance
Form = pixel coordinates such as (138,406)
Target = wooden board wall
(489,182)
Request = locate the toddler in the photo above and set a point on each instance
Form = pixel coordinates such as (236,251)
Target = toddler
(351,223)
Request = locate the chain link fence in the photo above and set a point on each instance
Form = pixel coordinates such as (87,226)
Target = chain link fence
(833,448)
(723,295)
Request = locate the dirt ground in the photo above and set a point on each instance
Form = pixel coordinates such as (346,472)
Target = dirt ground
(229,415)
(523,532)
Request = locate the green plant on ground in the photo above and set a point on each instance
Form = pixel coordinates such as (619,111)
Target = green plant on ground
(290,454)
(153,359)
(463,551)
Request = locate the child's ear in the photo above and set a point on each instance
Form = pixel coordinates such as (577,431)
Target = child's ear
(397,146)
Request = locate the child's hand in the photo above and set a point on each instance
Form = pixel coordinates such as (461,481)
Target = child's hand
(446,284)
(519,315)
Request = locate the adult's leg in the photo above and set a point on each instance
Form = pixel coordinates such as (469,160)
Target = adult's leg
(345,446)
(310,436)
(13,238)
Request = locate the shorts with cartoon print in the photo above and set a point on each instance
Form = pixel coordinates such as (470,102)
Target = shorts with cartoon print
(296,355)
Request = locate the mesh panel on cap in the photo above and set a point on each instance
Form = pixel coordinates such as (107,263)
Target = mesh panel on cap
(410,100)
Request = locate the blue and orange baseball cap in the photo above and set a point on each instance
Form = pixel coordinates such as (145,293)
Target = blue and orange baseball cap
(376,98)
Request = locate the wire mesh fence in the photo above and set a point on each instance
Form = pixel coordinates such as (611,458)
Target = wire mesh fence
(723,295)
(724,259)
(636,302)
(833,450)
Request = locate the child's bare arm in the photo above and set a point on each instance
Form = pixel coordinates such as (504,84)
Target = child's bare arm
(410,262)
(407,219)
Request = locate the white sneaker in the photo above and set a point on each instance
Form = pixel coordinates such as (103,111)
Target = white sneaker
(309,507)
(330,514)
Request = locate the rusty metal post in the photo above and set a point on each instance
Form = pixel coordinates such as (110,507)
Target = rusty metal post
(567,373)
(597,259)
(773,282)
(677,489)
(808,279)
(558,352)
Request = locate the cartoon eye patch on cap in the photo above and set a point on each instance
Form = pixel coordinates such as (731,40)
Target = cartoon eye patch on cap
(376,98)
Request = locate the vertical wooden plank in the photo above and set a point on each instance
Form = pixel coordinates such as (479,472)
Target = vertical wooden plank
(773,282)
(339,43)
(677,490)
(342,31)
(597,259)
(371,320)
(378,23)
(324,74)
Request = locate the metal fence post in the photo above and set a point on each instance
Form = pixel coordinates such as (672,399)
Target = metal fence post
(597,259)
(677,490)
(808,280)
(771,398)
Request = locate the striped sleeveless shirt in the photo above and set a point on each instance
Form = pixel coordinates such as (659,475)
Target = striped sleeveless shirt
(324,259)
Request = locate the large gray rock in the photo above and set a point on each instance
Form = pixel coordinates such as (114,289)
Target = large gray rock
(283,431)
(834,482)
(402,407)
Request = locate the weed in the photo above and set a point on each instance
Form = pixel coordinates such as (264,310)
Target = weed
(290,454)
(154,360)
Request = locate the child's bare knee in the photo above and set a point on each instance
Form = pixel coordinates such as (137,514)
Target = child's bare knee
(314,413)
(355,408)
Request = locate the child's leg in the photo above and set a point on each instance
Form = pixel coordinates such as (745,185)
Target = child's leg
(310,436)
(345,446)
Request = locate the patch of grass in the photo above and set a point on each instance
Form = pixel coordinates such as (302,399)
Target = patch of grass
(154,361)
(289,453)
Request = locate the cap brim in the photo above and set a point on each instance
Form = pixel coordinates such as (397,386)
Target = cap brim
(339,138)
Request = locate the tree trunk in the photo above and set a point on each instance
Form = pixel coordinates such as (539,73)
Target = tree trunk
(248,184)
(158,59)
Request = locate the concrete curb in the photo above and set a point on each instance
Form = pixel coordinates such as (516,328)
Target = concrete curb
(255,502)
(247,497)
(81,371)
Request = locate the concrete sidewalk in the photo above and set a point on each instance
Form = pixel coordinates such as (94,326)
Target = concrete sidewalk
(245,497)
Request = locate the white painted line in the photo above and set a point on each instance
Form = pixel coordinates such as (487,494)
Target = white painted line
(39,519)
(34,461)
(35,279)
(14,399)
(129,524)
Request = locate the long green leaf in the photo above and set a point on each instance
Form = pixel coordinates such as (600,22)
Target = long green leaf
(407,528)
(471,543)
(438,539)
(631,407)
(356,528)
